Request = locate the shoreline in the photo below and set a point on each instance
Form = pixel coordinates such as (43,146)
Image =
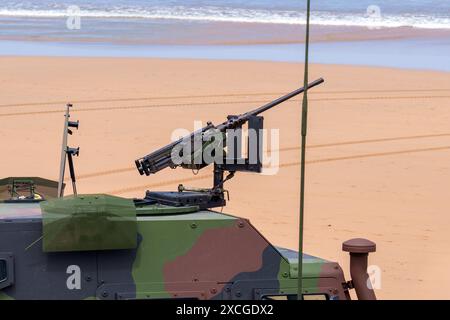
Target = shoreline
(399,47)
(409,54)
(132,32)
(125,58)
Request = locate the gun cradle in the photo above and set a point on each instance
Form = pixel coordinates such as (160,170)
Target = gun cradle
(198,150)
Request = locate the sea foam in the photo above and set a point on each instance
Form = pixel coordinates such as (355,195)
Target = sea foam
(237,15)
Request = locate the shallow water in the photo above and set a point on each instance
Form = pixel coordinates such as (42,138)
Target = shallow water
(204,29)
(384,13)
(413,54)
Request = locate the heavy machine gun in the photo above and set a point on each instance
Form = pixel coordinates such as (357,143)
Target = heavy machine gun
(188,152)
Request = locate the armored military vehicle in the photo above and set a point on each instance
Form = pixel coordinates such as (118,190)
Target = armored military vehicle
(166,245)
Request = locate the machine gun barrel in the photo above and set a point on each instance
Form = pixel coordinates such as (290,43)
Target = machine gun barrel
(232,123)
(161,158)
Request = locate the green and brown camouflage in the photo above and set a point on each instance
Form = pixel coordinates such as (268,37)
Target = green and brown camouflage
(104,247)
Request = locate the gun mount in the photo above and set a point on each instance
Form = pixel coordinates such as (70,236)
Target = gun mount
(188,153)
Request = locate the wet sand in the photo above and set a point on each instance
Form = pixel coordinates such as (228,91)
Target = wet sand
(378,148)
(132,32)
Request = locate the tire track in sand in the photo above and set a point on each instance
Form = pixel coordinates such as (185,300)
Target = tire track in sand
(209,176)
(174,105)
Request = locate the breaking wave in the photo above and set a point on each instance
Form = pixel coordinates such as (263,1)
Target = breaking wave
(237,15)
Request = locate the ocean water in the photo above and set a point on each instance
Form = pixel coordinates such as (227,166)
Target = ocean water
(429,14)
(407,54)
(205,29)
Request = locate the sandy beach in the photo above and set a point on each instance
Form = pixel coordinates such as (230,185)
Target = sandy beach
(378,148)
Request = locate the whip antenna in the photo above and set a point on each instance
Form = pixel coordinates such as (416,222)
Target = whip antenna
(303,157)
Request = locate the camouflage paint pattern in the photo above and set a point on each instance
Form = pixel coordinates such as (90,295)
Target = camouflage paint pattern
(179,254)
(88,223)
